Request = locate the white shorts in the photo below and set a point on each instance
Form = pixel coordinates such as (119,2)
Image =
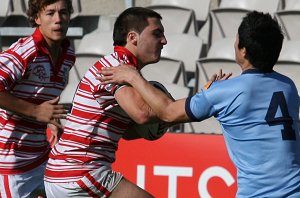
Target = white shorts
(28,184)
(97,183)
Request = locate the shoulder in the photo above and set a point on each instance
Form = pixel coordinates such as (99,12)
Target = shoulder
(282,77)
(223,92)
(226,86)
(24,48)
(110,60)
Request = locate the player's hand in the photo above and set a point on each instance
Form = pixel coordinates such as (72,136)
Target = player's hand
(49,111)
(55,134)
(220,76)
(118,75)
(216,77)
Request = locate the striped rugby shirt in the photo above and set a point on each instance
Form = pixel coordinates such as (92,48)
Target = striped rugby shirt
(26,71)
(93,129)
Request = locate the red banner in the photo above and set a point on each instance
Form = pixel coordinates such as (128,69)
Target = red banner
(179,166)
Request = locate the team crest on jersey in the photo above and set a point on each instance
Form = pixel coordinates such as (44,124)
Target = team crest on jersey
(40,73)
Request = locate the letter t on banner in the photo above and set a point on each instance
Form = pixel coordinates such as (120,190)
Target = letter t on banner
(173,172)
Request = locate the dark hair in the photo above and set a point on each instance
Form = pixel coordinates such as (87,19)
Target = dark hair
(132,19)
(35,6)
(262,37)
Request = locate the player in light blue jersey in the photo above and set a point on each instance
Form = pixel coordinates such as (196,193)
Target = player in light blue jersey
(258,111)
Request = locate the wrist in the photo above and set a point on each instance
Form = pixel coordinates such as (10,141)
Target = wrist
(32,111)
(135,78)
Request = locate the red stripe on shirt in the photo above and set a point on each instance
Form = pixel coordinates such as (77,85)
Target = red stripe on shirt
(6,186)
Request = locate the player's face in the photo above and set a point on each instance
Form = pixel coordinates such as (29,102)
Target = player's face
(150,42)
(53,22)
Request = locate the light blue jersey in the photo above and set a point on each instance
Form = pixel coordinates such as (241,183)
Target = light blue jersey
(259,115)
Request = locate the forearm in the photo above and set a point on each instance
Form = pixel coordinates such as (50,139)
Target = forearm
(14,104)
(165,108)
(134,105)
(156,99)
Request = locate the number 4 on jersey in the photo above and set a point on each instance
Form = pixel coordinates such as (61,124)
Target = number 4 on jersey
(278,101)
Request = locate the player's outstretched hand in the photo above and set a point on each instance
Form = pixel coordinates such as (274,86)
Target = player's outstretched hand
(120,74)
(220,76)
(216,77)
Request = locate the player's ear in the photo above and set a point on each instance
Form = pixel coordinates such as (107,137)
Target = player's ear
(244,52)
(132,37)
(38,20)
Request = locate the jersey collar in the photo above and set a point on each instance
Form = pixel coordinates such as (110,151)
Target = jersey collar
(254,71)
(125,54)
(41,42)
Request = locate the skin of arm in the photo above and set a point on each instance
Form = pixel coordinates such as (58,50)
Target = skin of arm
(133,104)
(164,107)
(46,112)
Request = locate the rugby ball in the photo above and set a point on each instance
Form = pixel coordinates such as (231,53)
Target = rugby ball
(149,131)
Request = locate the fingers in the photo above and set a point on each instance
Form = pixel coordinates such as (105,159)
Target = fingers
(220,74)
(62,108)
(59,111)
(106,71)
(223,76)
(59,116)
(227,76)
(119,74)
(59,106)
(106,78)
(213,77)
(67,108)
(105,75)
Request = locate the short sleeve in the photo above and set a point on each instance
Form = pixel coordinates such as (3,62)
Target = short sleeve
(11,69)
(198,107)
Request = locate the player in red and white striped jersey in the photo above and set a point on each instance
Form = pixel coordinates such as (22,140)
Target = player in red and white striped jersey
(80,163)
(33,73)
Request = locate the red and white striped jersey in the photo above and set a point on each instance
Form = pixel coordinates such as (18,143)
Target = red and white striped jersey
(26,71)
(93,129)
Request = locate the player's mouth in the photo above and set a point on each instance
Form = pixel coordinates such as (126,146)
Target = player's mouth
(59,30)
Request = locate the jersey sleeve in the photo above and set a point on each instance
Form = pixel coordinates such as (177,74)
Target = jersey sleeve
(198,107)
(12,69)
(97,86)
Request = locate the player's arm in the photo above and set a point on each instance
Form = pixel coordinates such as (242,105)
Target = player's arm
(12,70)
(134,105)
(165,108)
(44,112)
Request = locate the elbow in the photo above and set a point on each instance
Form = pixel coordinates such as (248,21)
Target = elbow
(141,118)
(166,117)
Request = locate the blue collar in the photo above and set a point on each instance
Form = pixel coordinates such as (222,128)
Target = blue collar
(254,71)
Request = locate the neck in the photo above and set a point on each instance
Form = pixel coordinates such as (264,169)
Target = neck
(55,51)
(246,65)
